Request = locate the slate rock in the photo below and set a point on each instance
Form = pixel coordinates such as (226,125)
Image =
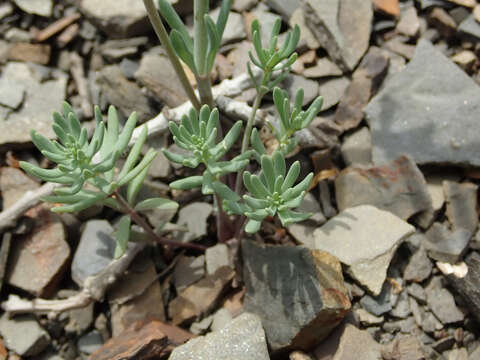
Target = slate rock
(323,67)
(298,293)
(310,88)
(35,53)
(14,183)
(403,120)
(378,305)
(40,100)
(37,260)
(216,257)
(11,93)
(241,339)
(365,239)
(398,187)
(402,307)
(342,27)
(117,18)
(404,348)
(357,147)
(23,335)
(419,267)
(367,319)
(306,37)
(90,342)
(417,291)
(235,28)
(194,217)
(243,5)
(95,250)
(442,303)
(124,94)
(443,22)
(409,23)
(188,270)
(37,7)
(461,205)
(332,90)
(445,245)
(303,231)
(470,27)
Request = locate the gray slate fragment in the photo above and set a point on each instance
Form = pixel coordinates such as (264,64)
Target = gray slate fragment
(23,335)
(40,100)
(306,37)
(216,257)
(461,205)
(37,7)
(188,270)
(342,27)
(419,267)
(303,231)
(332,90)
(445,245)
(417,291)
(288,288)
(402,307)
(90,342)
(242,339)
(470,27)
(398,187)
(11,92)
(284,7)
(357,147)
(442,303)
(235,28)
(380,304)
(310,87)
(194,217)
(413,113)
(95,250)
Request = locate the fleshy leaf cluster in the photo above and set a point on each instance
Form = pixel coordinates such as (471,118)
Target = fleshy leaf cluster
(197,133)
(271,192)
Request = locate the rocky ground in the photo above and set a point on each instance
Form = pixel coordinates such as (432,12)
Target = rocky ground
(389,266)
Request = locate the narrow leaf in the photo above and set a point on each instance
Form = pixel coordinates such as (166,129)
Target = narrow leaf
(122,235)
(156,203)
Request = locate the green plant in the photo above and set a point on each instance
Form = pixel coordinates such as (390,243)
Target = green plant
(87,169)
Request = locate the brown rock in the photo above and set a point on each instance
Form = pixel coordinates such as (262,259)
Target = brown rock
(137,297)
(461,205)
(35,53)
(3,351)
(37,260)
(405,348)
(142,341)
(409,24)
(366,80)
(443,22)
(14,184)
(199,298)
(390,7)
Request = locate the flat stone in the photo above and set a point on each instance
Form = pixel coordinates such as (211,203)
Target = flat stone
(6,9)
(303,231)
(38,260)
(443,22)
(364,238)
(95,250)
(465,59)
(419,267)
(442,304)
(324,67)
(306,36)
(188,270)
(398,187)
(342,27)
(284,7)
(445,245)
(124,94)
(404,348)
(378,305)
(11,93)
(235,28)
(402,307)
(137,296)
(243,5)
(466,3)
(357,147)
(367,319)
(36,53)
(37,7)
(298,293)
(403,120)
(199,298)
(40,99)
(461,205)
(23,335)
(399,45)
(409,23)
(194,217)
(242,339)
(216,257)
(470,27)
(310,87)
(390,7)
(332,90)
(14,183)
(90,342)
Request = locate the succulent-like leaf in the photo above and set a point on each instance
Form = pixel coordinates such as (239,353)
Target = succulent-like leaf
(122,235)
(156,203)
(187,183)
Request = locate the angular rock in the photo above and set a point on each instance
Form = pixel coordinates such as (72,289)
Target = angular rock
(188,270)
(322,68)
(461,205)
(470,27)
(14,184)
(36,53)
(445,245)
(243,5)
(367,319)
(241,339)
(443,22)
(380,304)
(235,28)
(37,7)
(332,91)
(40,99)
(402,308)
(404,348)
(419,267)
(390,7)
(403,120)
(465,59)
(194,217)
(364,238)
(199,298)
(95,250)
(298,293)
(6,9)
(442,304)
(357,147)
(365,82)
(216,257)
(38,260)
(11,93)
(125,95)
(417,291)
(342,27)
(306,36)
(156,73)
(295,82)
(136,297)
(409,23)
(23,335)
(468,286)
(90,342)
(303,231)
(284,7)
(142,341)
(398,187)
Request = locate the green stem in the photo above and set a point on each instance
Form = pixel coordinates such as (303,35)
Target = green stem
(200,9)
(165,41)
(205,90)
(143,224)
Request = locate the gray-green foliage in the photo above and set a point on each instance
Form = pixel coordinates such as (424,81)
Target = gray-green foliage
(271,192)
(291,120)
(184,44)
(88,168)
(197,134)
